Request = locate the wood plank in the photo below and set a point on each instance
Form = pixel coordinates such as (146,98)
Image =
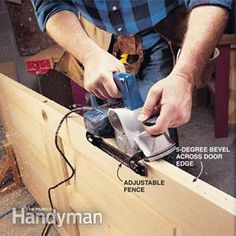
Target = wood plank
(179,191)
(35,174)
(193,208)
(27,127)
(32,141)
(81,204)
(107,195)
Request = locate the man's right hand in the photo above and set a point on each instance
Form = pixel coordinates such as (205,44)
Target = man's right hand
(99,66)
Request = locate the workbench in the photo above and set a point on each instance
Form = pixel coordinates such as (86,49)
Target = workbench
(179,208)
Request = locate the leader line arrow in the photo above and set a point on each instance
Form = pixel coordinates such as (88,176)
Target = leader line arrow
(117,172)
(197,177)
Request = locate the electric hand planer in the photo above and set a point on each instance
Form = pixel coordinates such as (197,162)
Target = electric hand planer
(124,120)
(133,142)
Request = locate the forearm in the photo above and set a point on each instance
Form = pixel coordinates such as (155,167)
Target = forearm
(64,27)
(206,26)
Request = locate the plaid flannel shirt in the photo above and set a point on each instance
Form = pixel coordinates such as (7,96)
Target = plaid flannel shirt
(120,17)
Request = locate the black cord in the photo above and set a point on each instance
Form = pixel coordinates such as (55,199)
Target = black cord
(63,156)
(46,229)
(48,226)
(6,213)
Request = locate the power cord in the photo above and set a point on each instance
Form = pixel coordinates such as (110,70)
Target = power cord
(6,213)
(48,226)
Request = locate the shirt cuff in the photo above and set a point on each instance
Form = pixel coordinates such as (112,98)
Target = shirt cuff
(190,4)
(45,10)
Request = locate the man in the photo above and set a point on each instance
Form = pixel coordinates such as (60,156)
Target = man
(159,83)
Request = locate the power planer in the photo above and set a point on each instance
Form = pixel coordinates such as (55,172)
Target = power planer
(118,120)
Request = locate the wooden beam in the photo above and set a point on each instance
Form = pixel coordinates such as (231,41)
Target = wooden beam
(181,207)
(39,162)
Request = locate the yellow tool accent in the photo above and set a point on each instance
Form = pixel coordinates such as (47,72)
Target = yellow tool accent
(123,58)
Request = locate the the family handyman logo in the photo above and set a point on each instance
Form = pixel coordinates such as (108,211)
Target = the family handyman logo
(40,215)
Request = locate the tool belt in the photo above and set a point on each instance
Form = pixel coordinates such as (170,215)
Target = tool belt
(128,49)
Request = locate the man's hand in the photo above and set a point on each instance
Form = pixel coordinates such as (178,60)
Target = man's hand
(174,96)
(174,93)
(65,28)
(98,68)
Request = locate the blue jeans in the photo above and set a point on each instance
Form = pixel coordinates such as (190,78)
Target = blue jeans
(157,64)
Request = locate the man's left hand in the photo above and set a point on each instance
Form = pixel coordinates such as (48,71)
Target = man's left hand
(174,97)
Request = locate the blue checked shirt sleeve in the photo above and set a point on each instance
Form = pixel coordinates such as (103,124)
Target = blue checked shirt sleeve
(45,9)
(190,4)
